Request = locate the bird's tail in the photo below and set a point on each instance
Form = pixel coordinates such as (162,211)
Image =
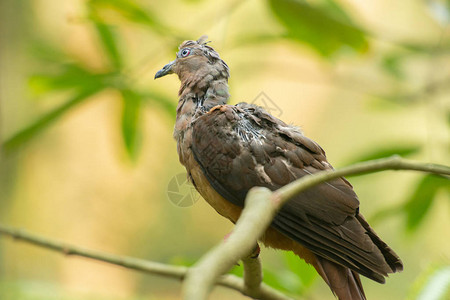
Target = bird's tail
(343,282)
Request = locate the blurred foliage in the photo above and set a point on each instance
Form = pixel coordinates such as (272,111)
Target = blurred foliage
(391,63)
(403,151)
(326,27)
(433,284)
(419,204)
(74,76)
(29,290)
(129,10)
(34,128)
(296,277)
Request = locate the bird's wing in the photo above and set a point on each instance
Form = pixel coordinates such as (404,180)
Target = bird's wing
(239,147)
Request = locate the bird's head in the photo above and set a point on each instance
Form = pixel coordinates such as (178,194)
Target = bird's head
(194,61)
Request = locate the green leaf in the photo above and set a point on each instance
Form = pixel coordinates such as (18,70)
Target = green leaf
(43,122)
(45,52)
(237,270)
(278,280)
(420,202)
(386,152)
(327,29)
(128,9)
(296,277)
(334,10)
(67,76)
(108,38)
(130,121)
(306,274)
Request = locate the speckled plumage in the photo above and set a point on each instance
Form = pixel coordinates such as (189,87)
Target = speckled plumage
(228,149)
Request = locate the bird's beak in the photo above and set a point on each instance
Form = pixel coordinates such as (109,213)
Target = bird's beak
(167,69)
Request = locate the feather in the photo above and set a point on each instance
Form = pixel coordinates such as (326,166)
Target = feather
(228,149)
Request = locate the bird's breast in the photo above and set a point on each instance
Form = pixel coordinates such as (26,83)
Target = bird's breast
(201,183)
(222,206)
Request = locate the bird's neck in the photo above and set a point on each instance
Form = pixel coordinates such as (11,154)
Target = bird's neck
(197,98)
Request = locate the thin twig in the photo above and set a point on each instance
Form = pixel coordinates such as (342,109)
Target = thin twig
(200,278)
(260,208)
(252,274)
(390,163)
(176,272)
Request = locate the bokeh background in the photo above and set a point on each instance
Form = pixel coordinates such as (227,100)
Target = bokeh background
(88,154)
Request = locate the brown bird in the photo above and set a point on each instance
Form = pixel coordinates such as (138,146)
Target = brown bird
(228,149)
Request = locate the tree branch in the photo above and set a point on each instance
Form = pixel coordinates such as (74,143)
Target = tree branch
(261,206)
(176,272)
(390,163)
(253,275)
(200,278)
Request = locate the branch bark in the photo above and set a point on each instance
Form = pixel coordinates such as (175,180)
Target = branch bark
(176,272)
(260,208)
(200,278)
(252,274)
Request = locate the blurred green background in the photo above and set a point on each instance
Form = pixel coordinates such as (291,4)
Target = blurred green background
(87,147)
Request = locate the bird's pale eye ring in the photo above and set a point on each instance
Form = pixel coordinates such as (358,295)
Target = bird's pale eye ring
(185,52)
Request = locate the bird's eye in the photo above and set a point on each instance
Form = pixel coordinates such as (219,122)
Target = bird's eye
(185,52)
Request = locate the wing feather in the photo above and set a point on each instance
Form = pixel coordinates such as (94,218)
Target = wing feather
(239,147)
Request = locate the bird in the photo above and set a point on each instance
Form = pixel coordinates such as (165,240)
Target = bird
(229,149)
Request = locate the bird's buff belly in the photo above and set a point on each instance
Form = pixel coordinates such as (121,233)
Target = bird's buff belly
(222,206)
